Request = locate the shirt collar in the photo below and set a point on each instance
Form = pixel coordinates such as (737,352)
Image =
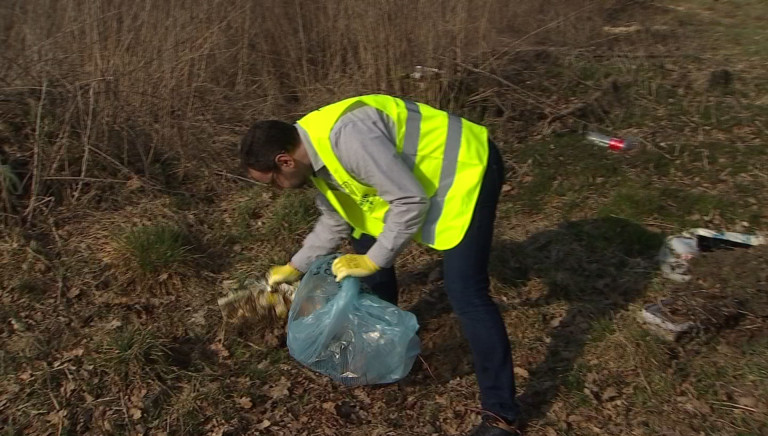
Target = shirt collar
(314,158)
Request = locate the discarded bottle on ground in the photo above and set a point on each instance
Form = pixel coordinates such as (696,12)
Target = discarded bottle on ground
(612,143)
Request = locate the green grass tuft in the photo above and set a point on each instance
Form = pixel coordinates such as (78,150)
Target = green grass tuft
(131,351)
(8,180)
(9,187)
(601,329)
(156,248)
(677,206)
(292,212)
(565,167)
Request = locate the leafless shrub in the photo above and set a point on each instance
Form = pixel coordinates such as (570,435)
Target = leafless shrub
(158,91)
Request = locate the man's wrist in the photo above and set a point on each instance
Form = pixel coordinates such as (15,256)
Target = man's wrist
(293,265)
(380,255)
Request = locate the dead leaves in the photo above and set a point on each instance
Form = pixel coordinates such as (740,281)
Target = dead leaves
(244,402)
(549,431)
(350,412)
(609,394)
(219,350)
(57,418)
(263,425)
(748,402)
(521,372)
(279,389)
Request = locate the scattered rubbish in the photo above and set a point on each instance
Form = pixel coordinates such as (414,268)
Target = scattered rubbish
(674,257)
(253,300)
(701,307)
(679,249)
(612,143)
(661,322)
(422,72)
(352,336)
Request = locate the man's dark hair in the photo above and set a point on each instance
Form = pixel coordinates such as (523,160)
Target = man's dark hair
(264,141)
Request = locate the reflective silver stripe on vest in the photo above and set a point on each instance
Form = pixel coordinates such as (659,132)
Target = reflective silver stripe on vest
(447,177)
(412,133)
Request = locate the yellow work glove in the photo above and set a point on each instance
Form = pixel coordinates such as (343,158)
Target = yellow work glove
(282,274)
(354,265)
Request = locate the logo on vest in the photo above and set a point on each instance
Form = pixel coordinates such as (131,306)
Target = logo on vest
(366,202)
(349,188)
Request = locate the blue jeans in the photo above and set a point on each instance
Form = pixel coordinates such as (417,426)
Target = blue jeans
(466,282)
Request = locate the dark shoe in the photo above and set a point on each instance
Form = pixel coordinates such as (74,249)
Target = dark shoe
(492,426)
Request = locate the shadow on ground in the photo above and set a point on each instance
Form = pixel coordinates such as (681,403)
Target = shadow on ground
(598,266)
(445,354)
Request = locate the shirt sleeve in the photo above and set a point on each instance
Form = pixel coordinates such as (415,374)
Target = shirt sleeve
(364,142)
(329,231)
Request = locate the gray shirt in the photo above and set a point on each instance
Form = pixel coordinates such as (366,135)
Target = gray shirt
(364,142)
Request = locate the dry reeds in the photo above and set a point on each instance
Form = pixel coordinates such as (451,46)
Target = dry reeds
(157,91)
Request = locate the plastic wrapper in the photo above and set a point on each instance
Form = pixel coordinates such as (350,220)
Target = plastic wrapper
(347,333)
(679,249)
(254,300)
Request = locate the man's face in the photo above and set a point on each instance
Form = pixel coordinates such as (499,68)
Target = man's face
(289,174)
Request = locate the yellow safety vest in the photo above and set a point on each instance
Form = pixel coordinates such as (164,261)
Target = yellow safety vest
(447,154)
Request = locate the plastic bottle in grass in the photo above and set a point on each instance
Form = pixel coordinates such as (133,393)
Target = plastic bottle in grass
(612,143)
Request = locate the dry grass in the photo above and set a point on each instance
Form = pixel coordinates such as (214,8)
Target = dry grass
(158,93)
(122,120)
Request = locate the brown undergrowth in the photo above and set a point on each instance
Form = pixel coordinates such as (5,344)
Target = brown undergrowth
(123,213)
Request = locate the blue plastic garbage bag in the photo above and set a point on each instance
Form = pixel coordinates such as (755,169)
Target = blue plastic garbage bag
(352,336)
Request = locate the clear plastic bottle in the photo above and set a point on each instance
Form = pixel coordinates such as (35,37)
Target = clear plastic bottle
(612,143)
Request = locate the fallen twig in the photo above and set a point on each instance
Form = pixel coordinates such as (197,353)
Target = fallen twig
(427,366)
(733,406)
(85,179)
(234,176)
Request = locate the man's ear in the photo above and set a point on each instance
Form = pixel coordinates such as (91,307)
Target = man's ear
(284,160)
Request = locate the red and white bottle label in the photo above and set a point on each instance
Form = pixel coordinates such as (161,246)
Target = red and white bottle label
(616,144)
